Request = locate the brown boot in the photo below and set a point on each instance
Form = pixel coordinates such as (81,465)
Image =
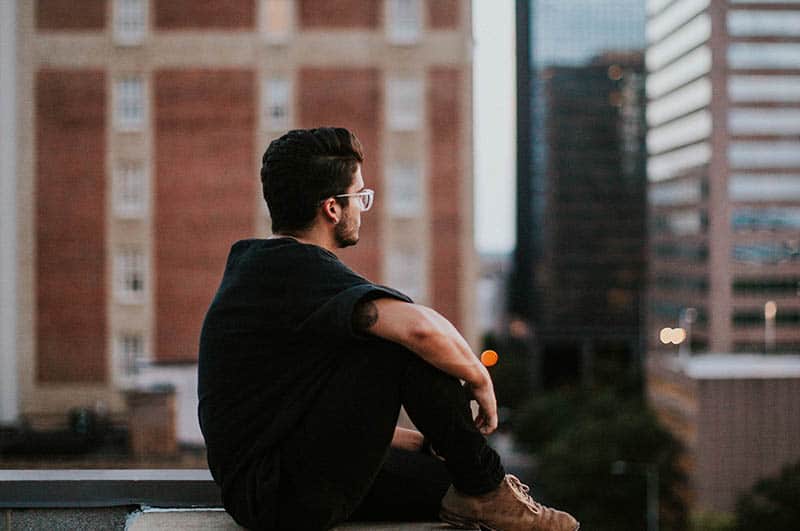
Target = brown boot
(507,508)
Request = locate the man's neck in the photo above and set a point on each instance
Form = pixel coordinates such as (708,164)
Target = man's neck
(311,237)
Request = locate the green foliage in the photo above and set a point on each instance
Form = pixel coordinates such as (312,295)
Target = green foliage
(577,435)
(707,521)
(773,503)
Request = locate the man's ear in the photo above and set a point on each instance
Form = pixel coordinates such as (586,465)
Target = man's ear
(331,210)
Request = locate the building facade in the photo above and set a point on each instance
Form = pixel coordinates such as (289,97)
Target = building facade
(724,174)
(140,127)
(579,262)
(735,416)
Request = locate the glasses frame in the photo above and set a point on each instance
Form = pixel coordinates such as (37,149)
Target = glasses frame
(366,192)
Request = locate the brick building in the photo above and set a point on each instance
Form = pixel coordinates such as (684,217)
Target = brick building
(141,125)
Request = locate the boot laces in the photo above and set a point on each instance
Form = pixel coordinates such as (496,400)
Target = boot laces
(521,491)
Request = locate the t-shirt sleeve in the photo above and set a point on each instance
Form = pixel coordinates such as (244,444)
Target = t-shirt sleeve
(333,320)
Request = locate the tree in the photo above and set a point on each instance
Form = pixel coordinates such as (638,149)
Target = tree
(578,435)
(772,503)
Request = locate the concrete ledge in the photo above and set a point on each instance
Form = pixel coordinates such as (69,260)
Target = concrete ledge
(21,489)
(218,520)
(129,500)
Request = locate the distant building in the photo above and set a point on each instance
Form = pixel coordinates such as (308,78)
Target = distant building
(579,263)
(736,416)
(492,293)
(141,125)
(724,174)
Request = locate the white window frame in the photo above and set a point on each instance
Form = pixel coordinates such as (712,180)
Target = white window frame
(406,271)
(130,188)
(130,22)
(276,93)
(404,103)
(130,275)
(405,190)
(130,103)
(404,21)
(283,35)
(131,354)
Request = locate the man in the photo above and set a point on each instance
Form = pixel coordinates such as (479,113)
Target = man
(304,366)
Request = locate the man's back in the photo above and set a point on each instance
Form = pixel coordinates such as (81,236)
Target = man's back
(269,341)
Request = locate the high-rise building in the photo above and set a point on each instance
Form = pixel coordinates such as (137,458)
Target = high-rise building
(140,127)
(724,197)
(581,180)
(724,174)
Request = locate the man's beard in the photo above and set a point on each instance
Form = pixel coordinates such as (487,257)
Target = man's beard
(346,232)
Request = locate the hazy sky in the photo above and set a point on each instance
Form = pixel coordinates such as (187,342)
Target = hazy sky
(495,133)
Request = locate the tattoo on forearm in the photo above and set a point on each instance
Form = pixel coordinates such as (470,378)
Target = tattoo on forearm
(365,316)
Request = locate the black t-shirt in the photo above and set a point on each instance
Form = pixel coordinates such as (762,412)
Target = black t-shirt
(281,315)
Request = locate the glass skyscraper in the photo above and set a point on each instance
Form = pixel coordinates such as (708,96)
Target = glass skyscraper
(579,262)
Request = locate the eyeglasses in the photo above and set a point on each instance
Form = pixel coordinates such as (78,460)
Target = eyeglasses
(365,198)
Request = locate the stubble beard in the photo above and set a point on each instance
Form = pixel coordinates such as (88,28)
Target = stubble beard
(346,232)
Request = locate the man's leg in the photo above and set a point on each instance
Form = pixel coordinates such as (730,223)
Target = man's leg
(410,487)
(332,459)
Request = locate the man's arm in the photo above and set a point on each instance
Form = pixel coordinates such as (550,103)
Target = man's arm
(434,339)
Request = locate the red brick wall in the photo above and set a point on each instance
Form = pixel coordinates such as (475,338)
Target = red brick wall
(65,15)
(444,14)
(189,14)
(321,14)
(70,226)
(351,98)
(445,124)
(204,186)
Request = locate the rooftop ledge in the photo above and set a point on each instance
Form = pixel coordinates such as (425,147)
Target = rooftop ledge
(128,499)
(736,366)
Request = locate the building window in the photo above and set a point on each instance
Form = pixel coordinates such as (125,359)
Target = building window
(130,353)
(276,98)
(778,121)
(129,275)
(130,196)
(405,190)
(404,107)
(686,192)
(766,219)
(778,286)
(129,104)
(130,22)
(755,154)
(276,19)
(405,21)
(405,271)
(764,187)
(765,253)
(778,55)
(750,23)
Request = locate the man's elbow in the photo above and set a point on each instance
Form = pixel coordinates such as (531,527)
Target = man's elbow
(423,330)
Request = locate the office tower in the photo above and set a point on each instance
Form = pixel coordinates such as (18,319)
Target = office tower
(581,216)
(724,194)
(141,125)
(724,174)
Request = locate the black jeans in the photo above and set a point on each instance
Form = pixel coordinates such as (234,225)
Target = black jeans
(335,464)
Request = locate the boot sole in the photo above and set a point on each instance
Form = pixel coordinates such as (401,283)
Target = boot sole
(460,522)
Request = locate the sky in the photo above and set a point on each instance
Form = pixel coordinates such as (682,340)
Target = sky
(495,134)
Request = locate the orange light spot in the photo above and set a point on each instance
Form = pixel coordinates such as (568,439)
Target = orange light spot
(489,358)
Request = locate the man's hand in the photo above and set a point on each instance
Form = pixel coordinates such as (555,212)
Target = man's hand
(433,338)
(483,393)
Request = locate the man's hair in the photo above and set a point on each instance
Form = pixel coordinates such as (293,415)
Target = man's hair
(302,168)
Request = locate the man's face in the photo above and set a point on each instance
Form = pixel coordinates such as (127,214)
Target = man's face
(346,231)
